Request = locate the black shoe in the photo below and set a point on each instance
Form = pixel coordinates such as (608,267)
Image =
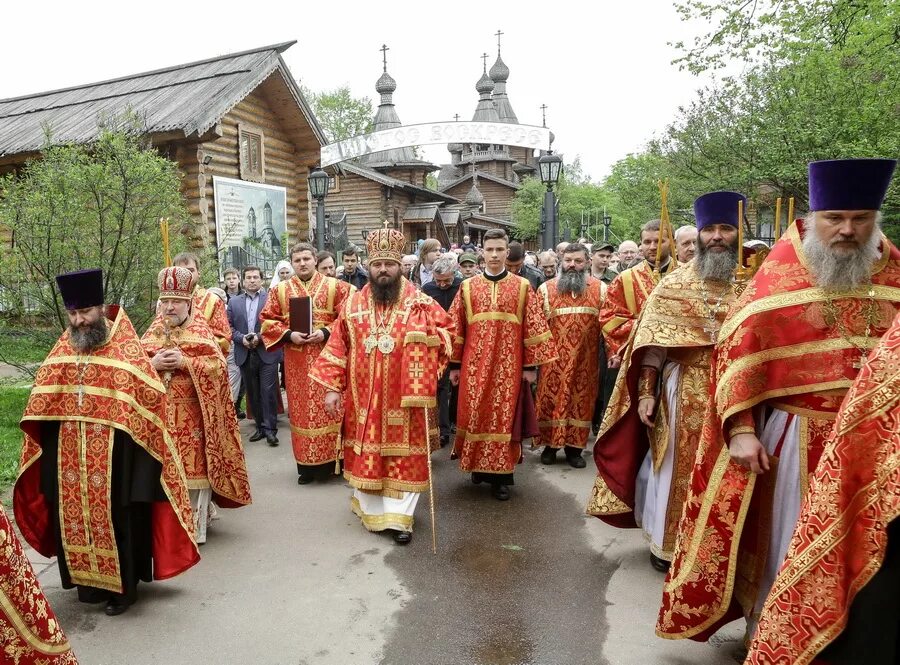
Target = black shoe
(402,537)
(500,492)
(305,479)
(576,461)
(272,440)
(257,436)
(659,564)
(115,607)
(548,456)
(476,480)
(241,415)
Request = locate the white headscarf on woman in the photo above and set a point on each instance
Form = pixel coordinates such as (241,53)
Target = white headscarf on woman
(281,265)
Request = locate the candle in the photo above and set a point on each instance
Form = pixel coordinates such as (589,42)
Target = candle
(777,218)
(740,221)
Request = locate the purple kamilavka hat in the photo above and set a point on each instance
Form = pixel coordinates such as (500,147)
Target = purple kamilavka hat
(82,288)
(849,184)
(718,208)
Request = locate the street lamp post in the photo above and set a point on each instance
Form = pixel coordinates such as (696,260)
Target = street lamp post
(318,187)
(607,221)
(550,167)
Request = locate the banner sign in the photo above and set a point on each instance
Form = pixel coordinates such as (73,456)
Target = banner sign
(484,133)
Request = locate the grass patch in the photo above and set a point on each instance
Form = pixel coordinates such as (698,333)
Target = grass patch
(12,405)
(18,346)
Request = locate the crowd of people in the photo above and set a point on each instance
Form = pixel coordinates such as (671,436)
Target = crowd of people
(743,401)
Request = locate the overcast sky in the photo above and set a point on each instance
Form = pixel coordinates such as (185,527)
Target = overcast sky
(602,68)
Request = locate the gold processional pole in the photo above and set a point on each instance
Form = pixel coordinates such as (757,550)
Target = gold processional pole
(164,232)
(665,228)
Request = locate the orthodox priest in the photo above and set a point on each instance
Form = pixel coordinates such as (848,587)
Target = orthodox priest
(383,359)
(629,291)
(199,413)
(315,434)
(568,386)
(796,340)
(501,337)
(838,594)
(30,633)
(649,435)
(212,308)
(100,484)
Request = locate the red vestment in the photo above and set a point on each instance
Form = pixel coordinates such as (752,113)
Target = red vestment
(386,386)
(200,414)
(499,329)
(30,633)
(676,318)
(213,310)
(777,349)
(841,536)
(624,300)
(567,389)
(315,436)
(111,390)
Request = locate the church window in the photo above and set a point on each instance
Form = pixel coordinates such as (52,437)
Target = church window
(251,145)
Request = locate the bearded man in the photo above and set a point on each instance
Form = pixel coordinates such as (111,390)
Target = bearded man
(199,411)
(315,434)
(383,359)
(567,389)
(100,486)
(649,435)
(796,340)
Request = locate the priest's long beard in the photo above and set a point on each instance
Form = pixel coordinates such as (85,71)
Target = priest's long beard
(717,266)
(839,271)
(386,294)
(572,281)
(89,337)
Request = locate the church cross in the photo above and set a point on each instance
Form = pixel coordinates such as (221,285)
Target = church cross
(498,34)
(456,117)
(544,113)
(384,49)
(385,223)
(485,57)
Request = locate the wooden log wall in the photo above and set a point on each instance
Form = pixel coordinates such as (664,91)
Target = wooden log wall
(282,168)
(497,198)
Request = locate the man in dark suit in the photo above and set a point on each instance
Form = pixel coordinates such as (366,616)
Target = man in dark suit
(443,288)
(259,368)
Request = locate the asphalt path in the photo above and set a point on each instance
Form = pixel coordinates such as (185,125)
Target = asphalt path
(295,579)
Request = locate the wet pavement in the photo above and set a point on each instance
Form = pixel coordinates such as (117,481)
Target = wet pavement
(296,580)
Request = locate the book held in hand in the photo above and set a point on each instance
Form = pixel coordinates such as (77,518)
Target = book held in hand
(301,314)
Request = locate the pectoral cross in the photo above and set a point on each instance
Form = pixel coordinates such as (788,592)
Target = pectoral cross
(370,343)
(80,395)
(711,330)
(858,363)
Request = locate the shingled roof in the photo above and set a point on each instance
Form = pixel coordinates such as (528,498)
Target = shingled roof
(185,99)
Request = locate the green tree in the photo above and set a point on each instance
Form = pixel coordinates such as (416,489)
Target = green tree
(820,81)
(82,206)
(340,114)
